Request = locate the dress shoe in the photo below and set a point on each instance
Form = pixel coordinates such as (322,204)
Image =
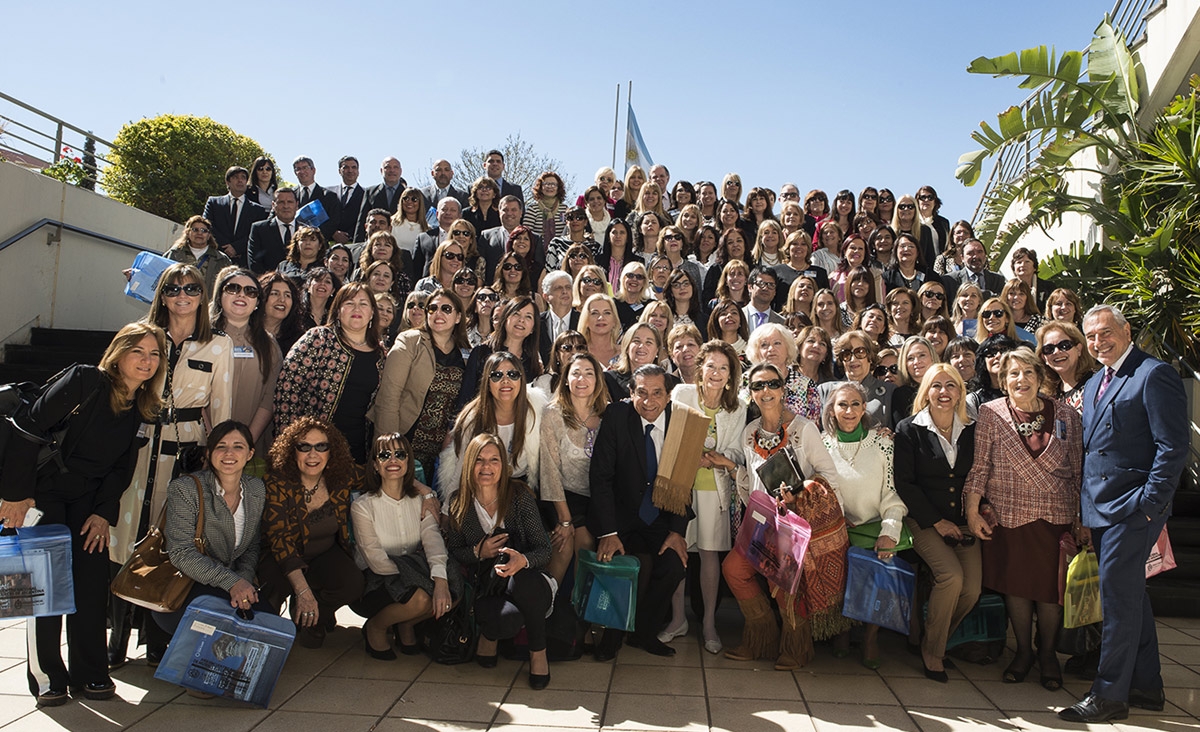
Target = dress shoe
(413,650)
(652,646)
(713,646)
(1095,709)
(669,635)
(116,659)
(1149,700)
(52,698)
(487,661)
(386,654)
(537,682)
(153,657)
(939,676)
(96,691)
(610,643)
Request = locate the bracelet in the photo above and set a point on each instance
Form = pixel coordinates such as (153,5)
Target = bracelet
(301,593)
(565,524)
(430,496)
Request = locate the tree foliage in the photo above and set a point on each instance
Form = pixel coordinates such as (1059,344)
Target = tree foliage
(170,164)
(522,165)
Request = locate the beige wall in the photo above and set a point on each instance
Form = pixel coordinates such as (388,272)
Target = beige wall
(76,283)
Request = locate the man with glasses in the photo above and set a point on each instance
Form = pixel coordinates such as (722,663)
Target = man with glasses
(448,211)
(233,214)
(269,239)
(559,317)
(762,284)
(975,271)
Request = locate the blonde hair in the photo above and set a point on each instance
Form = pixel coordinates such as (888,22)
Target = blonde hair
(922,399)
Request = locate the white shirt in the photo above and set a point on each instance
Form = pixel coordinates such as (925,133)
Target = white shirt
(284,227)
(239,515)
(658,434)
(558,325)
(1121,361)
(949,447)
(385,528)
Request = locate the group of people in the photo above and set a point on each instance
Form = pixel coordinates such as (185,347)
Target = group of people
(395,416)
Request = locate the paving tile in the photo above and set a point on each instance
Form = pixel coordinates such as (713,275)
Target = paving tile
(13,641)
(666,712)
(746,684)
(925,693)
(346,696)
(681,681)
(931,719)
(361,666)
(551,708)
(534,728)
(1135,723)
(183,718)
(836,689)
(731,715)
(1049,722)
(14,679)
(1027,697)
(282,721)
(836,717)
(392,724)
(579,675)
(472,674)
(1180,637)
(452,702)
(686,654)
(1178,653)
(1179,676)
(1186,699)
(15,707)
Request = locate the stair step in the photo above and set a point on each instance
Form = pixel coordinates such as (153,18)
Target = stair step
(1184,531)
(18,354)
(1174,598)
(10,373)
(88,339)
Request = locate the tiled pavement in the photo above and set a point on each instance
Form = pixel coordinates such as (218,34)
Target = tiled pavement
(339,688)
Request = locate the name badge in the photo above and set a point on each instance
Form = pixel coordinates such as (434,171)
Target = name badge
(1060,429)
(243,352)
(144,431)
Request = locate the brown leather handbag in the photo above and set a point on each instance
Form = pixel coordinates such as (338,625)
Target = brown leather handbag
(148,578)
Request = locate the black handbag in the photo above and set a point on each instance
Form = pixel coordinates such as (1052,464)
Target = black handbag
(451,638)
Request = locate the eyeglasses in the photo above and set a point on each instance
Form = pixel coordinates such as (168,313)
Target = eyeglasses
(672,237)
(233,288)
(986,314)
(771,384)
(849,353)
(680,284)
(191,290)
(635,276)
(577,255)
(967,540)
(593,281)
(413,306)
(452,255)
(460,232)
(1050,348)
(309,447)
(511,375)
(512,267)
(198,230)
(573,347)
(934,295)
(487,297)
(445,307)
(763,283)
(385,455)
(882,371)
(924,197)
(907,206)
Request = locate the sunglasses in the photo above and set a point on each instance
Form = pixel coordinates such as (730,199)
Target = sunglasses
(385,455)
(849,353)
(593,281)
(967,540)
(924,197)
(467,280)
(771,384)
(672,237)
(460,232)
(198,230)
(986,314)
(452,255)
(445,307)
(191,290)
(991,352)
(934,295)
(577,255)
(635,276)
(887,199)
(413,306)
(869,197)
(233,288)
(309,447)
(511,375)
(512,266)
(1063,346)
(576,217)
(907,206)
(573,348)
(487,297)
(882,371)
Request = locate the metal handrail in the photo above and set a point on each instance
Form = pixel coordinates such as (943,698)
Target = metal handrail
(1128,16)
(1182,364)
(60,127)
(73,229)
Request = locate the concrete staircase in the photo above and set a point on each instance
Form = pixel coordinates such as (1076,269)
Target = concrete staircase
(49,351)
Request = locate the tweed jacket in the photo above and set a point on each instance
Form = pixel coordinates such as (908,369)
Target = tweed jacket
(314,371)
(223,563)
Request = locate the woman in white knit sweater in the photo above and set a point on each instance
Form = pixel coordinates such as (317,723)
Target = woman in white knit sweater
(866,489)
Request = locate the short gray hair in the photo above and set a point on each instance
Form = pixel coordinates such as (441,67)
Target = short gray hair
(1116,314)
(551,278)
(829,420)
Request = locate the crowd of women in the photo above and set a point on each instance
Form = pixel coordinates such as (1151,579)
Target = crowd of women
(401,447)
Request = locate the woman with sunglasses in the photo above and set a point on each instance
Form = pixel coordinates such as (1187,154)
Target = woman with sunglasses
(283,317)
(346,353)
(409,222)
(935,449)
(263,183)
(399,548)
(479,315)
(1069,364)
(933,301)
(495,532)
(988,381)
(671,245)
(590,281)
(465,283)
(198,392)
(577,233)
(237,312)
(857,354)
(1028,466)
(448,260)
(868,202)
(483,202)
(568,343)
(816,210)
(996,318)
(577,257)
(419,388)
(512,277)
(1020,300)
(887,366)
(775,429)
(516,333)
(928,206)
(412,315)
(906,220)
(632,293)
(305,251)
(197,237)
(309,559)
(886,209)
(616,251)
(965,316)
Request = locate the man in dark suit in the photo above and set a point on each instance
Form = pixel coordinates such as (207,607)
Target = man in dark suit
(559,317)
(975,271)
(1135,447)
(269,239)
(448,212)
(443,174)
(352,199)
(494,164)
(761,284)
(385,195)
(309,190)
(233,214)
(492,241)
(622,516)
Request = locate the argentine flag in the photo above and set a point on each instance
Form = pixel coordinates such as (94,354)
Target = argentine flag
(635,147)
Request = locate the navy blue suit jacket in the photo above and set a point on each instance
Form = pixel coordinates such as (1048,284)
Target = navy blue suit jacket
(217,211)
(1135,442)
(265,249)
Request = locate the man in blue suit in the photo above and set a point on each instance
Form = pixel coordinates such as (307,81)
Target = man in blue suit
(1135,436)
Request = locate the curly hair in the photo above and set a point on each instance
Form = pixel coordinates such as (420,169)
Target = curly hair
(283,451)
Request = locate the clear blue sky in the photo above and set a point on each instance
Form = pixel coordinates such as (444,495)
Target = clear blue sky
(874,93)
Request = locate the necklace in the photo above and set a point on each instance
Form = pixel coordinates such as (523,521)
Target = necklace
(358,344)
(768,440)
(310,492)
(841,447)
(1025,429)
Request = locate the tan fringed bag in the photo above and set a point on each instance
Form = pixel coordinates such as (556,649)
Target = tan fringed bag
(148,579)
(682,449)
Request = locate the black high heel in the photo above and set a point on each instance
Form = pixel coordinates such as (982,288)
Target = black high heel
(537,682)
(385,655)
(1014,675)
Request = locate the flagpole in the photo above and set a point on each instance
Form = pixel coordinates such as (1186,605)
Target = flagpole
(616,114)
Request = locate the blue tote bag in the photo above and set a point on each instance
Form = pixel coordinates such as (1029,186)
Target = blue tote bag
(35,572)
(878,592)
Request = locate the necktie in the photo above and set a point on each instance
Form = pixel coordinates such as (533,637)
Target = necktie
(287,237)
(648,512)
(1108,377)
(346,191)
(391,193)
(304,196)
(760,318)
(235,214)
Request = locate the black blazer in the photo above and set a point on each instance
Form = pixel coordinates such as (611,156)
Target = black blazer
(931,489)
(545,343)
(618,477)
(217,211)
(265,248)
(508,188)
(333,207)
(893,280)
(376,197)
(430,192)
(423,250)
(351,210)
(492,244)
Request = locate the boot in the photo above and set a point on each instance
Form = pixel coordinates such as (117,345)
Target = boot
(760,636)
(795,645)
